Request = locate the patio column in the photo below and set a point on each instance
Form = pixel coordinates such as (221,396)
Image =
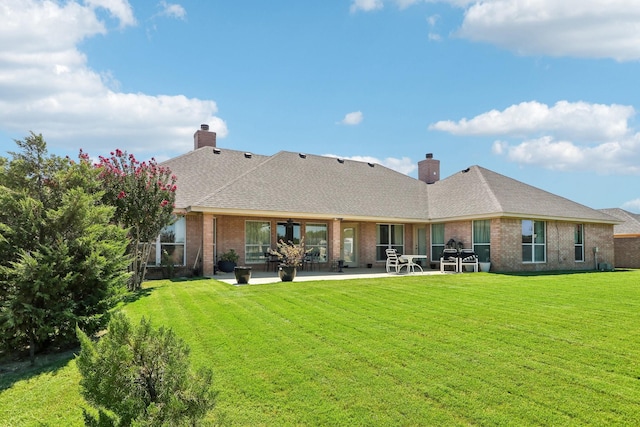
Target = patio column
(335,239)
(208,244)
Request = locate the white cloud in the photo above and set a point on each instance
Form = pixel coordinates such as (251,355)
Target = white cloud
(353,119)
(576,28)
(119,9)
(404,165)
(567,136)
(173,10)
(632,205)
(365,5)
(564,119)
(46,85)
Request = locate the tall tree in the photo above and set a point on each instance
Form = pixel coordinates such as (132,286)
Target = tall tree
(62,261)
(144,195)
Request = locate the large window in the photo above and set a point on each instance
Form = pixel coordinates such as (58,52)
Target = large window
(389,236)
(288,232)
(534,247)
(578,240)
(257,241)
(482,239)
(437,241)
(169,247)
(315,240)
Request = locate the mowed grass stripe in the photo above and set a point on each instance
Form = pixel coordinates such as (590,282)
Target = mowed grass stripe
(470,349)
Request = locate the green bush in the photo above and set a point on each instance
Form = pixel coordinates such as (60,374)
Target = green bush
(142,375)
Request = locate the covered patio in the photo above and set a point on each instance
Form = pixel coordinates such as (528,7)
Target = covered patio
(259,277)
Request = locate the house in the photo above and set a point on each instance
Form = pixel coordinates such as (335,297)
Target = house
(352,211)
(626,238)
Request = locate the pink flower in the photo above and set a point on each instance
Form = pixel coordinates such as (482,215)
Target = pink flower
(164,203)
(122,195)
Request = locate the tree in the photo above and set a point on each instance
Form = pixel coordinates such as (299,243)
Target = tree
(142,375)
(62,262)
(143,195)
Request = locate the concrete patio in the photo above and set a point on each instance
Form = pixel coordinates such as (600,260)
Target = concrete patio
(259,276)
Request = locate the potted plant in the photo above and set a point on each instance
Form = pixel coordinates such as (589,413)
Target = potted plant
(228,261)
(243,274)
(483,260)
(291,256)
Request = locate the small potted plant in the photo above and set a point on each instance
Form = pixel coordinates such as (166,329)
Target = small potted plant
(291,256)
(228,261)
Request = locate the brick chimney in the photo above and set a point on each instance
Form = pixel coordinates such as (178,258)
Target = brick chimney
(429,169)
(204,138)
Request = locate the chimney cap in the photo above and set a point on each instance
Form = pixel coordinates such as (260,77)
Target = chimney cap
(204,126)
(429,155)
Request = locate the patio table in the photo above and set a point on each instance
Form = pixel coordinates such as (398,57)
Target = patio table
(410,260)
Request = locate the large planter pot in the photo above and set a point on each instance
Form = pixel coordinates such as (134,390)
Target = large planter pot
(484,266)
(226,266)
(286,273)
(243,274)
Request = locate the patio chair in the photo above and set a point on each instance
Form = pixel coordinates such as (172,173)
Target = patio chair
(468,258)
(449,258)
(394,261)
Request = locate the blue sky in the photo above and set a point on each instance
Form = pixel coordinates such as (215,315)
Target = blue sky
(542,91)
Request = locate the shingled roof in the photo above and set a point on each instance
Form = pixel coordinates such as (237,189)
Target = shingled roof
(292,183)
(309,186)
(630,225)
(478,192)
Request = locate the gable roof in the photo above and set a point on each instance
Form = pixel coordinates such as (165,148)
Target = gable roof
(630,224)
(478,192)
(295,184)
(309,186)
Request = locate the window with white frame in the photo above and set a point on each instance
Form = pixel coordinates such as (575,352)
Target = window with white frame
(315,240)
(257,241)
(482,239)
(578,241)
(437,241)
(389,236)
(534,243)
(170,246)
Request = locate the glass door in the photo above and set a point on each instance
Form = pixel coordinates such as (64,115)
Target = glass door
(349,249)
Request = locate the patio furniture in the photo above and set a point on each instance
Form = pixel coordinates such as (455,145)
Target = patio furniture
(394,261)
(449,258)
(410,260)
(468,258)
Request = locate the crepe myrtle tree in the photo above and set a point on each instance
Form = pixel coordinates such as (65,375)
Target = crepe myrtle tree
(143,194)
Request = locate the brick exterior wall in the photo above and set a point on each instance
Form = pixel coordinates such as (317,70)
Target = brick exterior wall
(627,251)
(208,236)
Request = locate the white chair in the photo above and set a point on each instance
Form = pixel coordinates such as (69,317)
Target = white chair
(393,261)
(468,258)
(449,258)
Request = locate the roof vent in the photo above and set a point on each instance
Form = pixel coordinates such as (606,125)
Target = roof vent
(340,160)
(216,151)
(371,164)
(247,155)
(204,127)
(429,155)
(466,170)
(302,155)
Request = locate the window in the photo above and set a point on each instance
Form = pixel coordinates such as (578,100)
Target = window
(578,240)
(534,248)
(389,236)
(288,231)
(315,240)
(482,239)
(437,241)
(257,241)
(169,247)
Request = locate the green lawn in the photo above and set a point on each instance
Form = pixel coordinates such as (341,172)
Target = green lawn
(471,349)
